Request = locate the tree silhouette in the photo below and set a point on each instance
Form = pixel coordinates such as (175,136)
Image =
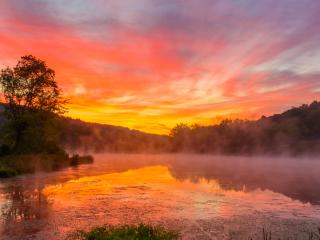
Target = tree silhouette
(31,95)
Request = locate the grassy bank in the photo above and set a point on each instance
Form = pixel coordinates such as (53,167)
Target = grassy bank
(148,232)
(12,165)
(139,232)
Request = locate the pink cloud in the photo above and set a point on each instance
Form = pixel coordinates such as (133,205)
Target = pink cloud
(163,63)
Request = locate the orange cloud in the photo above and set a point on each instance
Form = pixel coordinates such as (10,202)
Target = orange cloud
(152,67)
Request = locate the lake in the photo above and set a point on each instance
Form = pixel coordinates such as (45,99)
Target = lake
(203,197)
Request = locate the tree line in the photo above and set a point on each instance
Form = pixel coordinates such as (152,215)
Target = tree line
(32,121)
(293,132)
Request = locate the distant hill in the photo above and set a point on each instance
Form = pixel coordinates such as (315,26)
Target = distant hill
(78,135)
(296,131)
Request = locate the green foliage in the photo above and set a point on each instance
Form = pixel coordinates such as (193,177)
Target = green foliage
(32,162)
(146,232)
(140,232)
(30,122)
(11,165)
(32,100)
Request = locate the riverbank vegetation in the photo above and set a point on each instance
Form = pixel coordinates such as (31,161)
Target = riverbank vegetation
(12,165)
(30,126)
(147,232)
(132,232)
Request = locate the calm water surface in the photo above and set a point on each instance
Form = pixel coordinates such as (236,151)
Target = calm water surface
(204,197)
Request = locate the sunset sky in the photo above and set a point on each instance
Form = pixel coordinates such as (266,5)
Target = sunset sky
(150,64)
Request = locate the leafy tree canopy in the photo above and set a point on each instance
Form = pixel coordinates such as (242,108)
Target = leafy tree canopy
(31,97)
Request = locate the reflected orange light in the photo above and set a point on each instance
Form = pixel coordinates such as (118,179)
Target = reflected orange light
(155,187)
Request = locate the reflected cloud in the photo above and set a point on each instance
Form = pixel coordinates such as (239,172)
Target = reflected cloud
(131,188)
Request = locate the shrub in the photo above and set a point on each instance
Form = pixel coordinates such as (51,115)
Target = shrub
(6,172)
(75,160)
(127,232)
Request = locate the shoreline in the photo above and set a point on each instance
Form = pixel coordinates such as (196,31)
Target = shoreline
(17,164)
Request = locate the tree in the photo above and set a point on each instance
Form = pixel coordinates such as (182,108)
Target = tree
(31,96)
(181,138)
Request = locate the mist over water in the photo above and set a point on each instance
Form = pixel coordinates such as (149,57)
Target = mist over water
(199,195)
(202,117)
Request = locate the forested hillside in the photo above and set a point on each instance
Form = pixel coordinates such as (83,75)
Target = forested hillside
(78,136)
(295,131)
(92,137)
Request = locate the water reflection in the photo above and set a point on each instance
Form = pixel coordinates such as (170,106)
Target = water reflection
(293,178)
(21,207)
(24,205)
(122,189)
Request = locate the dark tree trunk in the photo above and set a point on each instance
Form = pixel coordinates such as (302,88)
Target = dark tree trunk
(17,140)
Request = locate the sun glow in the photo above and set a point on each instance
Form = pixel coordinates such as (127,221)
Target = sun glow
(144,69)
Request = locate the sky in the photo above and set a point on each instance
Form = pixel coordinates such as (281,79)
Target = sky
(151,64)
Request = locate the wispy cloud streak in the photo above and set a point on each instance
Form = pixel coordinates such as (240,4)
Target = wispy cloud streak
(150,64)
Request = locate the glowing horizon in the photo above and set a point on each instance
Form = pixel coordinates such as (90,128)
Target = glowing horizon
(149,65)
